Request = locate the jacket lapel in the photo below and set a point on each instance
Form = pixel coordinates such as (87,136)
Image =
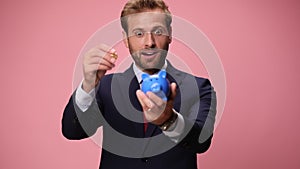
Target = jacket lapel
(128,85)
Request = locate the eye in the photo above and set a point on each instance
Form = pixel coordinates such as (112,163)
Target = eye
(158,32)
(139,33)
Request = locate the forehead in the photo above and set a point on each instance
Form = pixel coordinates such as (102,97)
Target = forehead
(146,20)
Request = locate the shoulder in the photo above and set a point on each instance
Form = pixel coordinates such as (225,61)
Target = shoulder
(203,82)
(188,78)
(193,86)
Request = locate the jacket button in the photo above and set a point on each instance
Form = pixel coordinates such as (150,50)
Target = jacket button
(145,160)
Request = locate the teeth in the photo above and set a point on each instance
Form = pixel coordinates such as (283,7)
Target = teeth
(148,53)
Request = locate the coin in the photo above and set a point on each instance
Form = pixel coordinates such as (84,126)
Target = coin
(114,55)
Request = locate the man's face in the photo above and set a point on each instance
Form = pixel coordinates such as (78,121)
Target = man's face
(148,39)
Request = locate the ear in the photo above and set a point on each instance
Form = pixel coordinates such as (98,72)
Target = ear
(144,76)
(170,34)
(125,39)
(162,73)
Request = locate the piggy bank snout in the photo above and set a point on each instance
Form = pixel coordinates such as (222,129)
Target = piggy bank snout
(155,87)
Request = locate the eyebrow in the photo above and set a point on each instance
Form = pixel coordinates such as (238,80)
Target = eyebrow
(155,27)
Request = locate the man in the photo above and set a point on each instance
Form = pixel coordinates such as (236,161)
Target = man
(140,130)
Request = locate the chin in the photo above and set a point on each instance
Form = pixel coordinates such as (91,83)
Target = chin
(154,66)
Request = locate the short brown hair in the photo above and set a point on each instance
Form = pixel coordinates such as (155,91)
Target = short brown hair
(138,6)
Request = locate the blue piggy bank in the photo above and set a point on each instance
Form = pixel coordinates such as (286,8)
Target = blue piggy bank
(157,84)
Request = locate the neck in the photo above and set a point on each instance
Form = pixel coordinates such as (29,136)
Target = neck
(151,71)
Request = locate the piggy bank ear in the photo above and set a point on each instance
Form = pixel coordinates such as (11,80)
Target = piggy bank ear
(162,74)
(144,76)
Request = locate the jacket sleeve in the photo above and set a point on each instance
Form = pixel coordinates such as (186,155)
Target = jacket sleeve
(78,125)
(199,119)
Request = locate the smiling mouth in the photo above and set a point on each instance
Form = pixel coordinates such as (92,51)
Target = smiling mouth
(149,53)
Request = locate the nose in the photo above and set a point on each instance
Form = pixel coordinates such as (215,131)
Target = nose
(149,40)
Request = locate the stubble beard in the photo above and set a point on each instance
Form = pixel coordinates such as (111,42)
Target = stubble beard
(150,69)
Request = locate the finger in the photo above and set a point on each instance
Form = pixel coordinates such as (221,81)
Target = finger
(111,52)
(98,57)
(103,55)
(91,68)
(173,91)
(96,68)
(104,47)
(104,67)
(100,74)
(93,60)
(111,57)
(95,52)
(156,99)
(144,100)
(106,63)
(140,96)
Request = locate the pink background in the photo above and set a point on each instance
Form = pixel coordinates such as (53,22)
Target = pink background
(257,41)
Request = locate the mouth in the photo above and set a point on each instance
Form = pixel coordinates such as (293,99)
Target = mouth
(149,53)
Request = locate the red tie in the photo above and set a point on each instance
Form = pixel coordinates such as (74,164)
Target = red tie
(145,124)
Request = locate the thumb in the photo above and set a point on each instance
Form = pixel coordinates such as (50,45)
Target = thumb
(100,74)
(173,91)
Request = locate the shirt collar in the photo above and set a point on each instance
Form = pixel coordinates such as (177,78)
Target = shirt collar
(138,72)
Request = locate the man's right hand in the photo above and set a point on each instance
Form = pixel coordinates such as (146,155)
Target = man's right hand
(95,64)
